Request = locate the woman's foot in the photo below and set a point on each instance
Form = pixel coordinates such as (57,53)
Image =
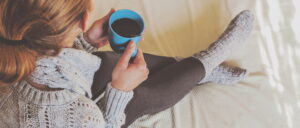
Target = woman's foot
(231,40)
(226,74)
(223,74)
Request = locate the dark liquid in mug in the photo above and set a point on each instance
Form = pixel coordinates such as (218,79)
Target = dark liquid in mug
(126,27)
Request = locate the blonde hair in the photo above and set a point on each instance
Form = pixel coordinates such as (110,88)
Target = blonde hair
(42,25)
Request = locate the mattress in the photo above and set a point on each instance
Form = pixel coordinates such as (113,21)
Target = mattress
(268,98)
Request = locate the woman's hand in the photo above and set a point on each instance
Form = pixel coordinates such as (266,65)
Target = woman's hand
(97,35)
(126,76)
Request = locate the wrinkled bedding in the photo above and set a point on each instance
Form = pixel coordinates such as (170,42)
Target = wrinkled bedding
(268,98)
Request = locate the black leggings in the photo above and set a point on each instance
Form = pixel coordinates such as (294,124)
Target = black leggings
(168,82)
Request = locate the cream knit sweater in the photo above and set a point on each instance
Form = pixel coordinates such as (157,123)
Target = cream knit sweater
(22,105)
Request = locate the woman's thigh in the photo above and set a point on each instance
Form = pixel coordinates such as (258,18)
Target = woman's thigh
(109,61)
(168,82)
(164,88)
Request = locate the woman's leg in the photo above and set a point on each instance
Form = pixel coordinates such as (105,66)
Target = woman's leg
(164,88)
(167,83)
(230,41)
(110,59)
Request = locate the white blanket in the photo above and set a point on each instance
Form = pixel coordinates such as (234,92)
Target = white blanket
(269,98)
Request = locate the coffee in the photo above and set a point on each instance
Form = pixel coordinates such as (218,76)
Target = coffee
(127,27)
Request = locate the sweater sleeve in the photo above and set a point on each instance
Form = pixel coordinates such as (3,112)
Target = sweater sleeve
(82,44)
(115,102)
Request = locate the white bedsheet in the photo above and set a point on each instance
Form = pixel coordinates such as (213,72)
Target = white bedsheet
(269,98)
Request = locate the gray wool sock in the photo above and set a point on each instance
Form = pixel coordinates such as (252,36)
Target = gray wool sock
(225,74)
(231,40)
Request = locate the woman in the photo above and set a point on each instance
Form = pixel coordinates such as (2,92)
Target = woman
(45,82)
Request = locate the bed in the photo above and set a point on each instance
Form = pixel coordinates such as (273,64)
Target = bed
(268,98)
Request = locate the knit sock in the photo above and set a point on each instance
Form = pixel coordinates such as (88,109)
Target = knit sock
(231,40)
(223,74)
(226,74)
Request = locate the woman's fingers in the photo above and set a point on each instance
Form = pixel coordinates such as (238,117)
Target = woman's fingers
(107,16)
(141,64)
(139,59)
(124,60)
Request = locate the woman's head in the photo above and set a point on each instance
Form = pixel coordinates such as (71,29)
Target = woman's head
(44,26)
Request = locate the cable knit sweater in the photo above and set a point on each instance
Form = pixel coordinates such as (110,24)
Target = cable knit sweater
(22,105)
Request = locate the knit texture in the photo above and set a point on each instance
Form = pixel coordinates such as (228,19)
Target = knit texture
(231,40)
(25,106)
(226,74)
(114,111)
(82,44)
(72,70)
(223,74)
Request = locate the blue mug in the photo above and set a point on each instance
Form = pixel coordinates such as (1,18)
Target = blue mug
(117,42)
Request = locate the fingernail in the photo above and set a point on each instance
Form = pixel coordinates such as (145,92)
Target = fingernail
(112,9)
